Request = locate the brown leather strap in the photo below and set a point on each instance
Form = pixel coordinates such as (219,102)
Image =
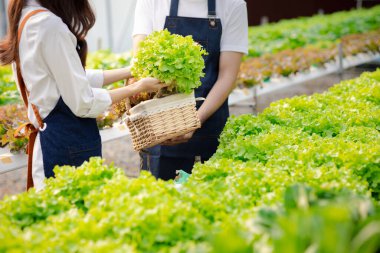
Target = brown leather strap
(29,129)
(24,92)
(25,19)
(32,140)
(31,132)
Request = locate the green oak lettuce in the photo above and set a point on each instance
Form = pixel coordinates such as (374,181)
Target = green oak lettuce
(173,59)
(303,176)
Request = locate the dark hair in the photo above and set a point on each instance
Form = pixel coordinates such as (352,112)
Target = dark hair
(76,14)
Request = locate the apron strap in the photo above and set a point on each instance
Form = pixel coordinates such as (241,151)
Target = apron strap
(174,8)
(29,130)
(26,18)
(175,3)
(211,8)
(23,90)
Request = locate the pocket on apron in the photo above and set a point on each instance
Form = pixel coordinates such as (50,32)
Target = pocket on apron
(83,152)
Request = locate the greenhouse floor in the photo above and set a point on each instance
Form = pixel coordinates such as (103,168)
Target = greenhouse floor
(121,153)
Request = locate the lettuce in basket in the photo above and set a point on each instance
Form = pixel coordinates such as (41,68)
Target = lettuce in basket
(173,59)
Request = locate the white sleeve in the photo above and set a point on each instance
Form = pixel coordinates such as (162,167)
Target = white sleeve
(235,31)
(59,52)
(95,77)
(143,23)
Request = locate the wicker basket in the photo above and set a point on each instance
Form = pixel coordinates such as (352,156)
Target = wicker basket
(157,120)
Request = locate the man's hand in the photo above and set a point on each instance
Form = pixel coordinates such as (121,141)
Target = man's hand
(178,140)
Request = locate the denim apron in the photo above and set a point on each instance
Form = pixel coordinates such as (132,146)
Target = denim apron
(68,139)
(65,138)
(163,161)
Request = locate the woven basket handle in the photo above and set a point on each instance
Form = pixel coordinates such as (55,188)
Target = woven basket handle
(131,125)
(127,116)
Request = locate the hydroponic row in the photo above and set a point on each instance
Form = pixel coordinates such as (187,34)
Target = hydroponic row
(257,70)
(303,176)
(320,30)
(293,46)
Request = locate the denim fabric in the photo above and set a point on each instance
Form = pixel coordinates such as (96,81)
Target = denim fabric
(208,33)
(68,139)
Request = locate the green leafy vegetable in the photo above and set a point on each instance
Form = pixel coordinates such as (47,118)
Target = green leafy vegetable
(173,59)
(318,30)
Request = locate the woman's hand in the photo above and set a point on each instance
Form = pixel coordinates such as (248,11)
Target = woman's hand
(143,85)
(115,75)
(149,85)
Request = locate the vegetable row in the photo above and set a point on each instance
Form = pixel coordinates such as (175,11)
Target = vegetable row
(297,45)
(257,70)
(303,176)
(317,30)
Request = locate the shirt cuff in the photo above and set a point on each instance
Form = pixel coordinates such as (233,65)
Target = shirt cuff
(238,49)
(95,77)
(102,101)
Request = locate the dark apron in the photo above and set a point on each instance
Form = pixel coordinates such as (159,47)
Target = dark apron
(68,139)
(163,161)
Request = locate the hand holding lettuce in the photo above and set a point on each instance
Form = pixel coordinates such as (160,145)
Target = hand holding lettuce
(173,59)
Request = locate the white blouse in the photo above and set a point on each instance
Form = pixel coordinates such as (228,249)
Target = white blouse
(51,68)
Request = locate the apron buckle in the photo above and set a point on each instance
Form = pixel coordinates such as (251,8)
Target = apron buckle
(43,127)
(212,20)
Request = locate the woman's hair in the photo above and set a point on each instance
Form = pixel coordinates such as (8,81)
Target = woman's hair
(76,14)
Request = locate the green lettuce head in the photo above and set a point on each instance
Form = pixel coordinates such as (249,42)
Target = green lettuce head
(173,59)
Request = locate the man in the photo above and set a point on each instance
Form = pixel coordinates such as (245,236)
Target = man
(221,27)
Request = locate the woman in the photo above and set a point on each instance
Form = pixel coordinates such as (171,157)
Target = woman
(46,45)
